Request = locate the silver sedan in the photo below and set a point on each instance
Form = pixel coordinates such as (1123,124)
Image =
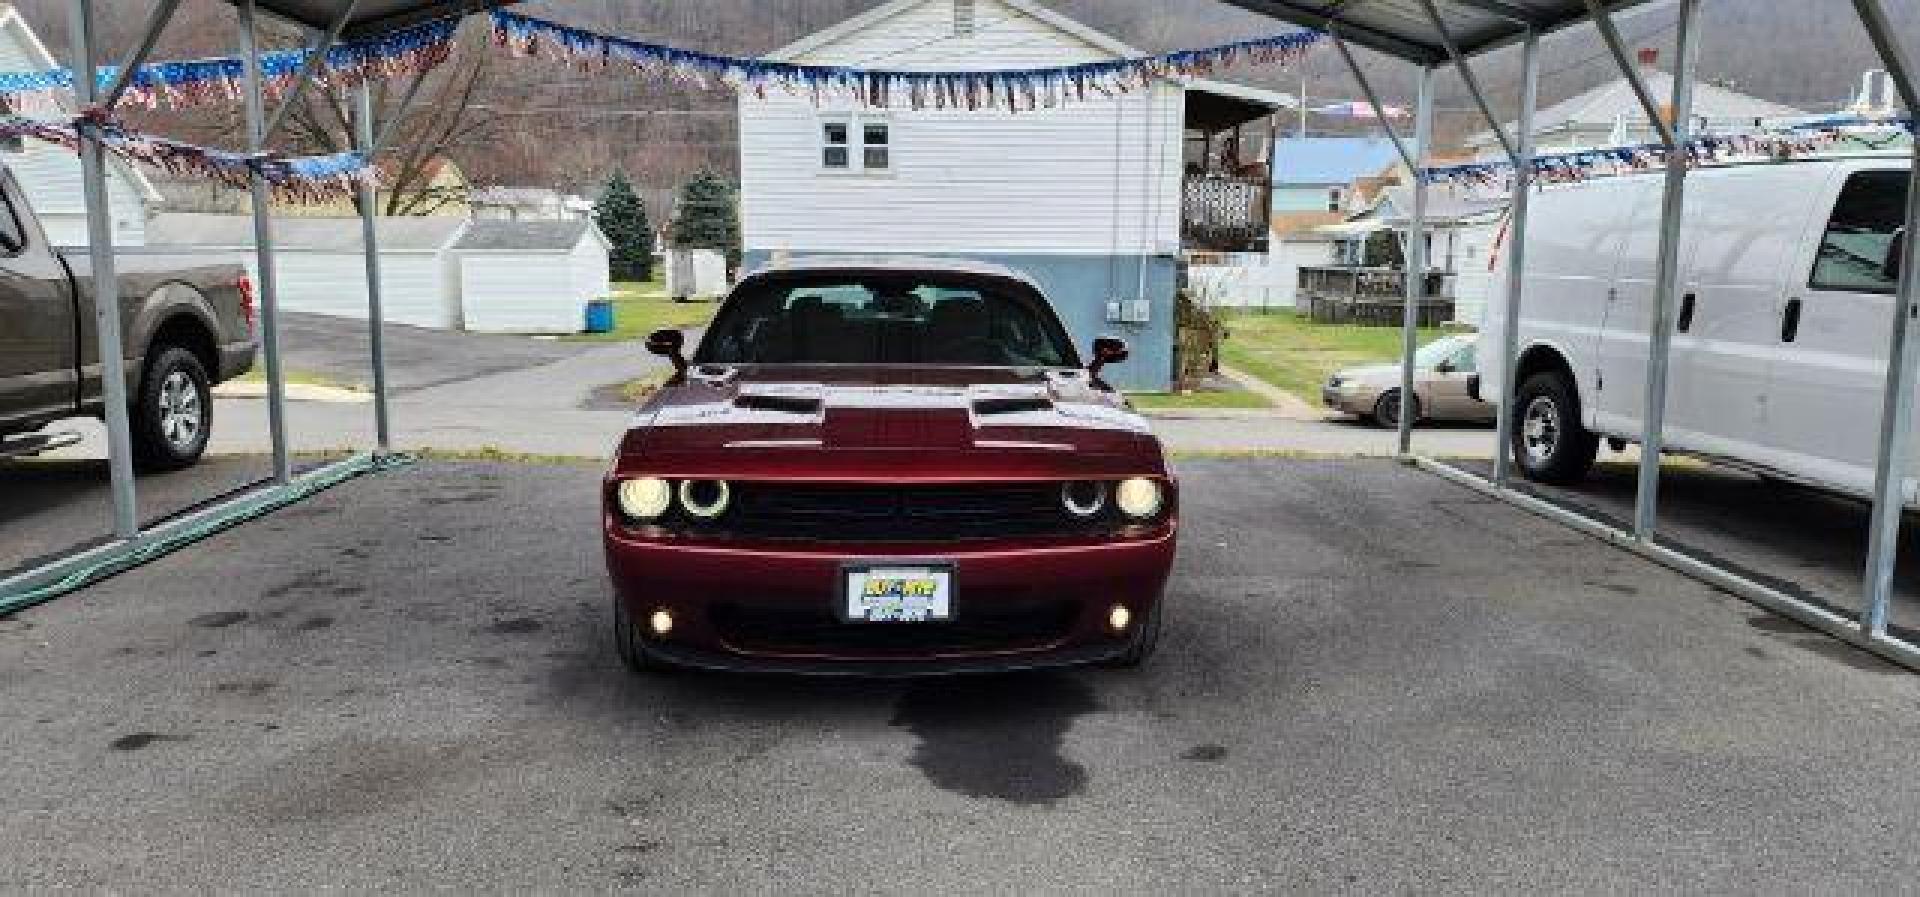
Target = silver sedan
(1442,373)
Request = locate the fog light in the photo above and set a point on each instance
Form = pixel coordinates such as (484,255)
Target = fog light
(661,622)
(1119,618)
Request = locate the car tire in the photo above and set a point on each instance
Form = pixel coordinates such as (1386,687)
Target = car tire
(172,413)
(629,643)
(1548,443)
(1144,643)
(1386,410)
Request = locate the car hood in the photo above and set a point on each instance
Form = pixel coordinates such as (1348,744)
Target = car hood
(881,422)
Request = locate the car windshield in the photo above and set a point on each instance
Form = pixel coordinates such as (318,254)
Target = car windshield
(885,318)
(1437,351)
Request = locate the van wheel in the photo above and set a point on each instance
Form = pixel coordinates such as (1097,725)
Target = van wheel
(1386,410)
(172,414)
(1549,444)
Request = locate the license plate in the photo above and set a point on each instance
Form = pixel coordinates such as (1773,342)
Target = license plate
(898,594)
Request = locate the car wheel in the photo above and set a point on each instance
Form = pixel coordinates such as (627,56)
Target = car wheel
(1145,641)
(628,642)
(1549,444)
(1386,410)
(172,414)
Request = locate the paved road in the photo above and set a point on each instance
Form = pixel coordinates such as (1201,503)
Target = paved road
(1372,680)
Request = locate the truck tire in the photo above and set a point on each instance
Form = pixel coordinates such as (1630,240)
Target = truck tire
(172,414)
(1549,443)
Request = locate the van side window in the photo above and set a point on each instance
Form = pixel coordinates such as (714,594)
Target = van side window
(1853,254)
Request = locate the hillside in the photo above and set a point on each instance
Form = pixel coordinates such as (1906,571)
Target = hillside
(662,133)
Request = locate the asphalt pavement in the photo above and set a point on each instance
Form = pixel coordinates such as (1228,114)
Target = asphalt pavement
(1372,680)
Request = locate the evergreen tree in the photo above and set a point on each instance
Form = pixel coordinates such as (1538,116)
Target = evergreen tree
(709,217)
(622,216)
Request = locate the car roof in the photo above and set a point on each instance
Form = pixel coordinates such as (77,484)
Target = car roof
(826,264)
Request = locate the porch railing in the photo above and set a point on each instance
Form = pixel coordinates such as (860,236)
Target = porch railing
(1225,213)
(1372,296)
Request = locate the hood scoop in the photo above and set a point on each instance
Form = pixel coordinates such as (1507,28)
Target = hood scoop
(782,404)
(1011,405)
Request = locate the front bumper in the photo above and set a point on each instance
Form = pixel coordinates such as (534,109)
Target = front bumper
(770,607)
(1348,399)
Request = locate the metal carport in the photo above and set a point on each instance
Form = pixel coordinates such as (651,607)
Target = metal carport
(1425,33)
(1433,33)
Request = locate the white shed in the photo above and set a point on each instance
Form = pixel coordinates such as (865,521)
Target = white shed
(49,174)
(531,276)
(322,268)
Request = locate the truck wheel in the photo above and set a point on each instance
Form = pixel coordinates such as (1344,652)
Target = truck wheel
(1144,641)
(626,640)
(1386,410)
(172,414)
(1549,443)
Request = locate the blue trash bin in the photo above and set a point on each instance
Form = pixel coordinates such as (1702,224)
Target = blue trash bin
(600,316)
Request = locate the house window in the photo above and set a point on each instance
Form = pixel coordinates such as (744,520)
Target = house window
(835,152)
(1336,200)
(874,145)
(963,21)
(856,144)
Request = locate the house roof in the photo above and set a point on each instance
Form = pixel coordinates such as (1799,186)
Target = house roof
(399,234)
(1314,161)
(831,35)
(1443,206)
(1602,106)
(484,235)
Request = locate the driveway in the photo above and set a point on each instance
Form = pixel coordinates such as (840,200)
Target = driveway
(1372,680)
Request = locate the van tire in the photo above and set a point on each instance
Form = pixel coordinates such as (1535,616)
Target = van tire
(172,413)
(1549,444)
(1386,410)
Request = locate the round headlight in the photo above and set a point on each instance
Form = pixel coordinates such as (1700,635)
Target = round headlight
(705,499)
(1138,497)
(1083,498)
(646,498)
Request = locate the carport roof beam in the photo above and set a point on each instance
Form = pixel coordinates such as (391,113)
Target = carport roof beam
(371,18)
(1610,33)
(1472,82)
(149,35)
(1398,28)
(1373,99)
(322,45)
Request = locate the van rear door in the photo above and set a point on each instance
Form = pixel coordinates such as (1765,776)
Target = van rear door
(1830,347)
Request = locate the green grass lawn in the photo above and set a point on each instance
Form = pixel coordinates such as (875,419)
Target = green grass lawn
(640,308)
(1293,353)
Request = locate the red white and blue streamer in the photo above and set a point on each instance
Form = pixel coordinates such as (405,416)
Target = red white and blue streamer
(408,51)
(1010,89)
(298,179)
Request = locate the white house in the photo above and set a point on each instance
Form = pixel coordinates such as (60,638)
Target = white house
(1086,198)
(531,276)
(440,272)
(527,204)
(49,174)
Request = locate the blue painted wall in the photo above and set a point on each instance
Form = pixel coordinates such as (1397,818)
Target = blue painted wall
(1080,286)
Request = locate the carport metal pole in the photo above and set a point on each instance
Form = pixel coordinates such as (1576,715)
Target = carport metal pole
(104,279)
(1676,136)
(370,244)
(1416,256)
(263,247)
(1517,220)
(1896,416)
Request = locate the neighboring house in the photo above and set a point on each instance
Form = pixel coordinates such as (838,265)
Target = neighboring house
(435,271)
(1462,230)
(1317,181)
(531,276)
(441,191)
(49,174)
(1610,115)
(1088,198)
(527,204)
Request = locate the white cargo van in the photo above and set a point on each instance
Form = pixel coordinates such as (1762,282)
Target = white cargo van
(1780,342)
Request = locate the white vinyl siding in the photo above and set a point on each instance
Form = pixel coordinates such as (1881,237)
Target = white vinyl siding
(1100,177)
(533,292)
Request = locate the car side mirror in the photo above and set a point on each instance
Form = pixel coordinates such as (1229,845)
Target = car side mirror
(1445,367)
(669,343)
(1896,255)
(1107,350)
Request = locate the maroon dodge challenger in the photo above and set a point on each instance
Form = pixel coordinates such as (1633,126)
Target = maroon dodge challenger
(887,467)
